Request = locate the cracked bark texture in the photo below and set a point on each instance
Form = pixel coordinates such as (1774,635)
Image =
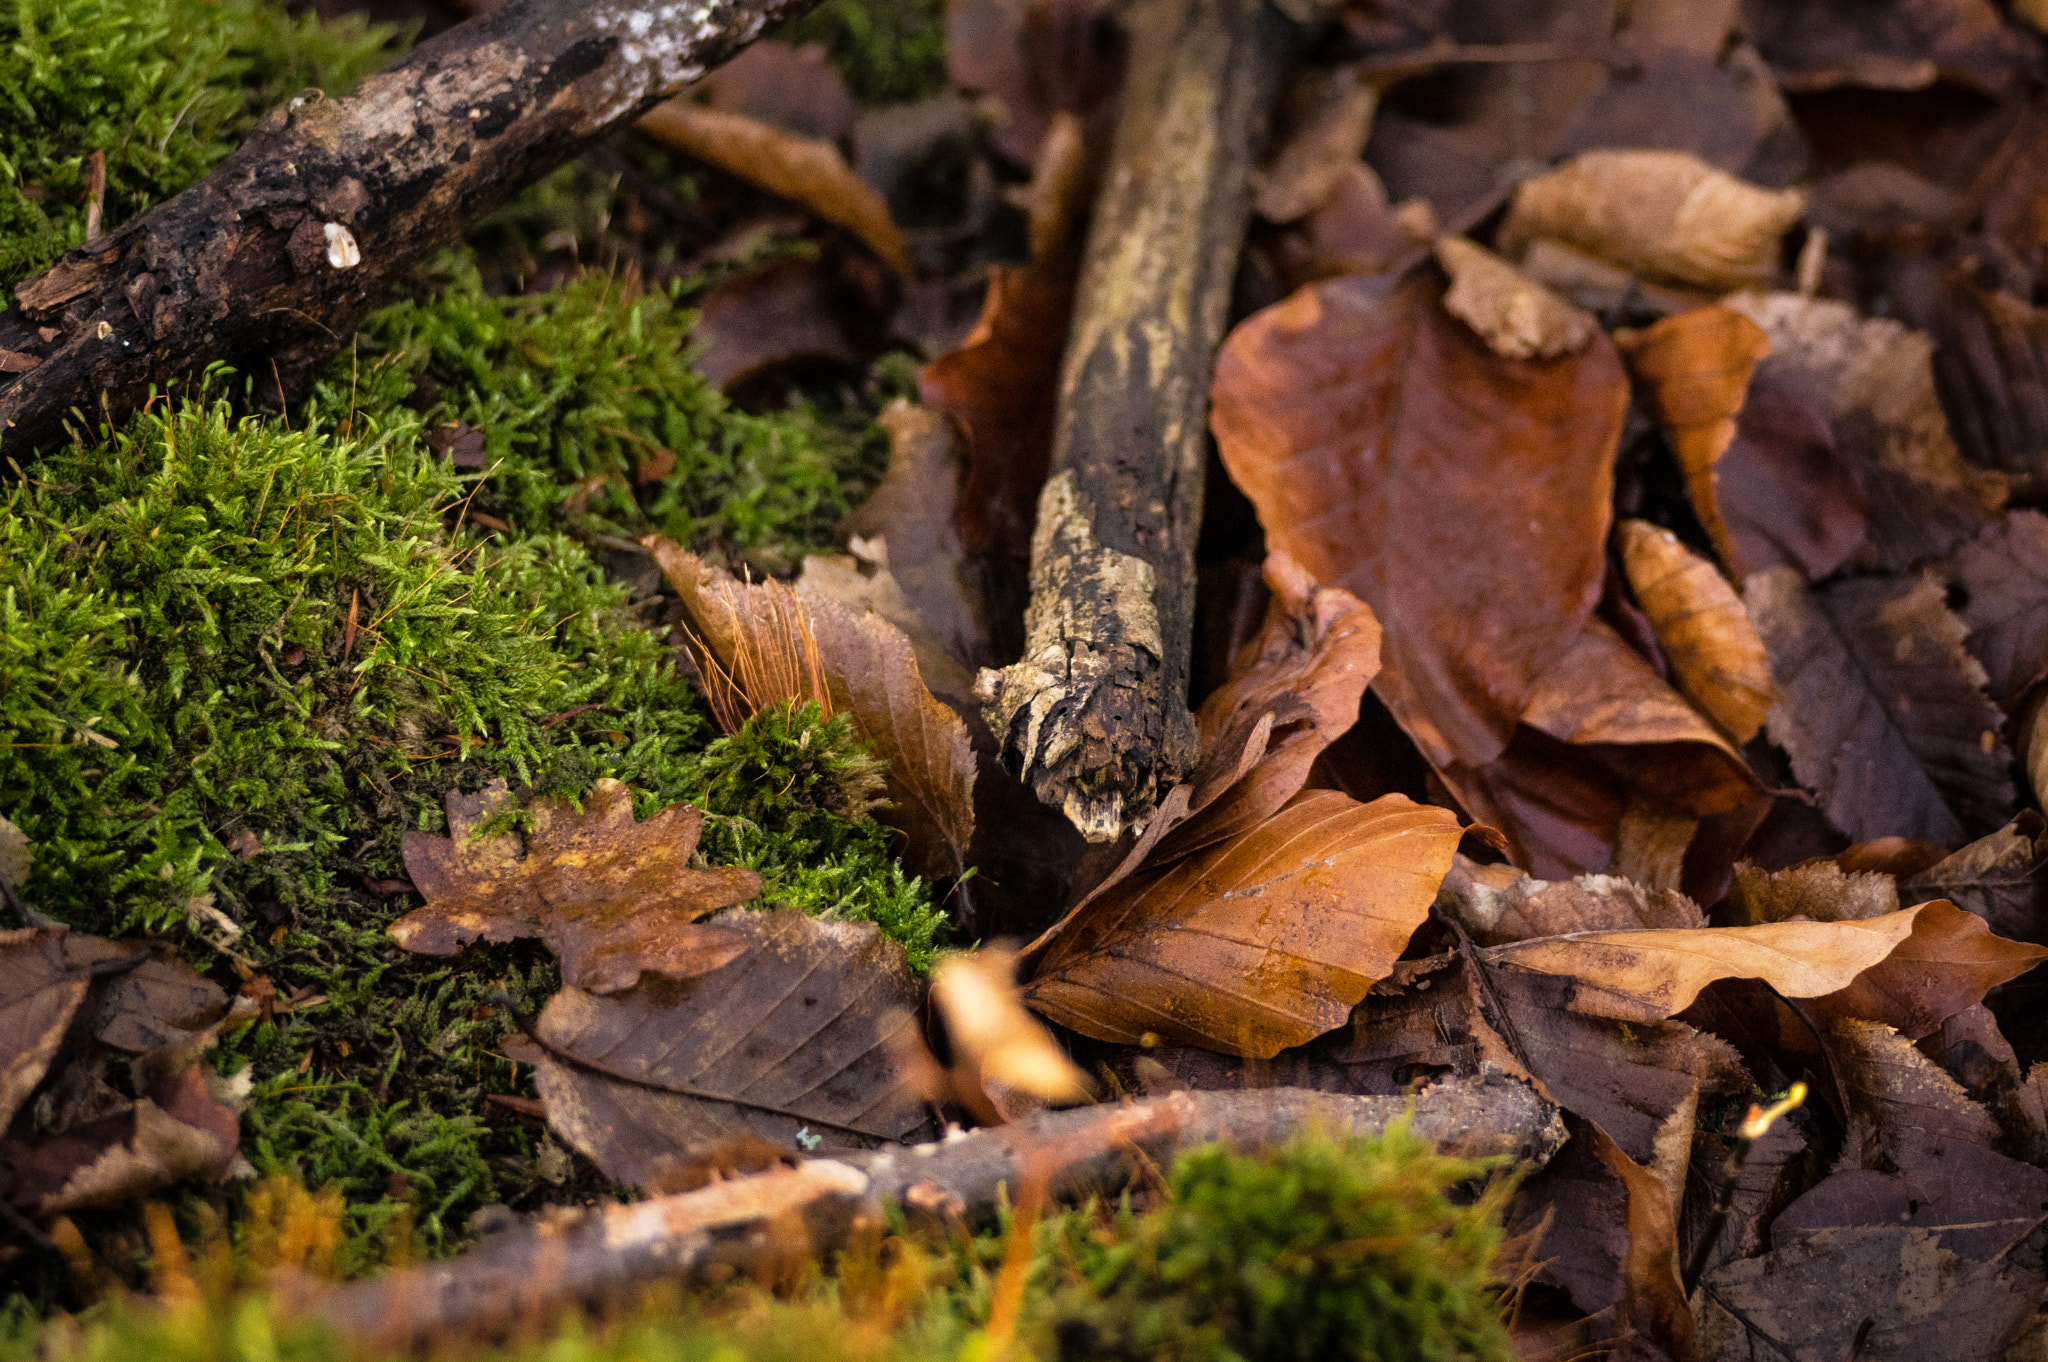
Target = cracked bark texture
(1094,717)
(271,261)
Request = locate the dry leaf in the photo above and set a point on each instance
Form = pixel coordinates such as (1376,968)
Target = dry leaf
(811,1026)
(1526,908)
(16,853)
(1820,892)
(1873,380)
(1650,975)
(1665,213)
(1330,112)
(2003,579)
(611,897)
(39,995)
(1947,964)
(784,314)
(1883,712)
(999,385)
(796,89)
(840,578)
(1033,61)
(804,170)
(1005,1063)
(1890,45)
(1257,943)
(2001,877)
(1519,318)
(1716,659)
(1463,496)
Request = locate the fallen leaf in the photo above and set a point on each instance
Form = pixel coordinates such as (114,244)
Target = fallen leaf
(154,1002)
(1650,975)
(1462,496)
(39,995)
(1254,944)
(796,89)
(1063,183)
(1716,659)
(1882,711)
(1820,892)
(999,385)
(1786,493)
(1326,116)
(1873,379)
(108,1162)
(783,314)
(1971,1049)
(611,897)
(1665,213)
(1355,231)
(805,170)
(1947,964)
(1299,683)
(1771,1176)
(17,853)
(1527,908)
(1602,287)
(2003,579)
(2001,877)
(808,1028)
(1894,1088)
(1517,317)
(1034,60)
(1004,1062)
(862,583)
(1891,45)
(867,670)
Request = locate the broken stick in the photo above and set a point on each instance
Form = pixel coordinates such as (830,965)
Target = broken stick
(1094,718)
(755,1224)
(273,259)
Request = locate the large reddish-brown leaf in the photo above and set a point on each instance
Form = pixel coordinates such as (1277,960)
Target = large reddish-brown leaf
(1716,659)
(1882,711)
(999,385)
(811,1026)
(2003,574)
(610,896)
(1650,975)
(866,668)
(1463,496)
(1258,943)
(1948,963)
(805,170)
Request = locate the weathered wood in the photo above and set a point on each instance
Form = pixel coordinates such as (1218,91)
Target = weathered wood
(1094,717)
(757,1224)
(271,261)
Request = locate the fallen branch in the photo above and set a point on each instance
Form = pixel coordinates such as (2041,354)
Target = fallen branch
(1094,717)
(755,1224)
(272,260)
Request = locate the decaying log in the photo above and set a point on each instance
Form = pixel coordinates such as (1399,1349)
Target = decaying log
(272,260)
(757,1224)
(1094,717)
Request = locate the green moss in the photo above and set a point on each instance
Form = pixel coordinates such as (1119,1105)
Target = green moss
(887,51)
(163,88)
(590,416)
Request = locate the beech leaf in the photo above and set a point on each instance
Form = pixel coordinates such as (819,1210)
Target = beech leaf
(1716,659)
(1947,964)
(1257,943)
(611,897)
(811,1026)
(2004,576)
(1882,711)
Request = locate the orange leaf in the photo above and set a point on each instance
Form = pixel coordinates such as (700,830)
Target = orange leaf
(1948,963)
(1257,943)
(1716,659)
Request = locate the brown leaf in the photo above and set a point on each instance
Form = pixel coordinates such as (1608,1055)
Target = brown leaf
(39,995)
(1257,943)
(1667,214)
(110,1161)
(2003,576)
(804,170)
(1517,317)
(1392,454)
(159,1001)
(1326,115)
(2001,877)
(1947,964)
(1716,660)
(1882,711)
(1873,380)
(1892,1087)
(1820,891)
(1893,45)
(17,853)
(1649,975)
(1005,1063)
(863,583)
(1356,231)
(785,313)
(796,89)
(867,670)
(999,385)
(1306,671)
(1035,60)
(611,897)
(1526,908)
(809,1026)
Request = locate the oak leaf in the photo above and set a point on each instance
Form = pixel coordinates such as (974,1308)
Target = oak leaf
(1882,711)
(611,897)
(810,1027)
(1257,943)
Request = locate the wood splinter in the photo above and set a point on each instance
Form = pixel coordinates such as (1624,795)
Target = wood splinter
(1094,717)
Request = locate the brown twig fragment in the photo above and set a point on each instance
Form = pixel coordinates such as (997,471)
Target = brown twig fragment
(1094,717)
(277,255)
(750,1223)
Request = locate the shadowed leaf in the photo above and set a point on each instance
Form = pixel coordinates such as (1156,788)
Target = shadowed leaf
(2004,575)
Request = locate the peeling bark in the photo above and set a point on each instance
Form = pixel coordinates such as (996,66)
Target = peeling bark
(1094,717)
(271,261)
(769,1222)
